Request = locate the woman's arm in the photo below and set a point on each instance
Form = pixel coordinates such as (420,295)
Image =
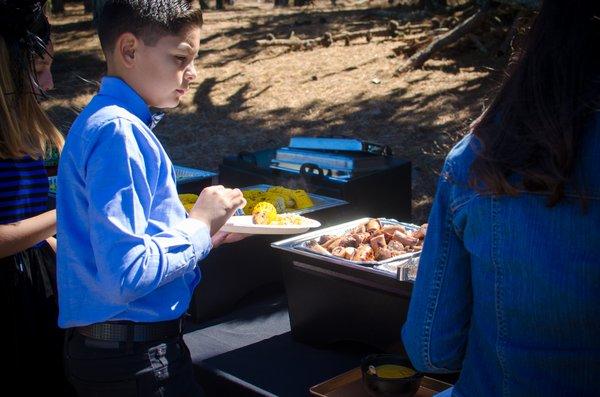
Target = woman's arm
(18,236)
(435,333)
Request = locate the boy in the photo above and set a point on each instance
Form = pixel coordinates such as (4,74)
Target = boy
(127,253)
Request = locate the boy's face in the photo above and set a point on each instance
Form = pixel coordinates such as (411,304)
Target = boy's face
(162,73)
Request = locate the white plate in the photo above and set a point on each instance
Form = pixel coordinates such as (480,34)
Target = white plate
(244,224)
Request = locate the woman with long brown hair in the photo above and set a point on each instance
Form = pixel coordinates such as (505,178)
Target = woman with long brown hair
(508,288)
(27,260)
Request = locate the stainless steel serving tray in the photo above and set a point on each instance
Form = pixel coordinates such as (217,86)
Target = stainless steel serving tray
(320,202)
(297,244)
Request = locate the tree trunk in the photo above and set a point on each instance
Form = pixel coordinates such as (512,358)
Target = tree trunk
(219,5)
(282,3)
(204,4)
(58,6)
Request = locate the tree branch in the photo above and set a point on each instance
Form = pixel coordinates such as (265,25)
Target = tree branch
(419,58)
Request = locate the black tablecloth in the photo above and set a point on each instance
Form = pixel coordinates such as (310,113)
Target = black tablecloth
(251,352)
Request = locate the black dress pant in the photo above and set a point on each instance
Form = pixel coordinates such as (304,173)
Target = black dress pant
(103,368)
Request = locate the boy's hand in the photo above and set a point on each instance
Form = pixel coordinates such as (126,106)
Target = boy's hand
(215,205)
(227,238)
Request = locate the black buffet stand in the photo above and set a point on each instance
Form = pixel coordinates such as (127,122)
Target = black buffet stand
(239,333)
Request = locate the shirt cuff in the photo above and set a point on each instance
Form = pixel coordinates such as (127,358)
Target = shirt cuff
(199,234)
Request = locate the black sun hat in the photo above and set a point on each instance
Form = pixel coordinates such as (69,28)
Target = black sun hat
(26,33)
(23,22)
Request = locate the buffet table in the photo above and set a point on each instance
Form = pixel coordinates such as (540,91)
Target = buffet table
(251,352)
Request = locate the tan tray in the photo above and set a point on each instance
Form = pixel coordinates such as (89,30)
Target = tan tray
(349,384)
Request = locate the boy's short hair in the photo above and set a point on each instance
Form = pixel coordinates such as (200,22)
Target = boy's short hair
(148,20)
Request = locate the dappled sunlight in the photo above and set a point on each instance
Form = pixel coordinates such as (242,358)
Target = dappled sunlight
(249,97)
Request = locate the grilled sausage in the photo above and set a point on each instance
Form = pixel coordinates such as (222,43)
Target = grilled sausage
(397,253)
(349,252)
(373,225)
(378,243)
(383,254)
(361,237)
(348,241)
(396,245)
(331,244)
(405,239)
(391,229)
(325,238)
(420,234)
(363,253)
(360,228)
(339,252)
(316,247)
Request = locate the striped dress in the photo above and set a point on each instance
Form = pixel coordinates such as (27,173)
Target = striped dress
(23,189)
(33,341)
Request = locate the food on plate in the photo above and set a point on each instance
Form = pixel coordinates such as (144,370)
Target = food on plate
(265,213)
(283,199)
(371,241)
(288,219)
(188,200)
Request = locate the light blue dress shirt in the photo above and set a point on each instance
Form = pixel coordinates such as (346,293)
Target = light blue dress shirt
(126,250)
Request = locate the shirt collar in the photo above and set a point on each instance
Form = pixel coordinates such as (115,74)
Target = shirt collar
(131,100)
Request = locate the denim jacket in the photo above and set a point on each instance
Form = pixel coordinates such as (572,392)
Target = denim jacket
(508,289)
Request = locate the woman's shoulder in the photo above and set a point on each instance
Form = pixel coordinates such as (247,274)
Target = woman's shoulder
(459,159)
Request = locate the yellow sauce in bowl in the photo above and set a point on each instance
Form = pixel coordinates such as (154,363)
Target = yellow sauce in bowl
(392,371)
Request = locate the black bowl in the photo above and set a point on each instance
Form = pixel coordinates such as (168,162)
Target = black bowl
(389,387)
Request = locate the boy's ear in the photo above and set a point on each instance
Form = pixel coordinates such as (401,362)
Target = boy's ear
(127,45)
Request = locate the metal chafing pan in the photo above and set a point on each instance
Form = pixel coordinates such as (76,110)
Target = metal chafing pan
(298,245)
(320,202)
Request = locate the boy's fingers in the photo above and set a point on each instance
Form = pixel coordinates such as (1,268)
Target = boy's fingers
(235,237)
(235,203)
(217,188)
(233,192)
(239,202)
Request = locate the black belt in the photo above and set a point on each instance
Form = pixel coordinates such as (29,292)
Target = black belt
(128,331)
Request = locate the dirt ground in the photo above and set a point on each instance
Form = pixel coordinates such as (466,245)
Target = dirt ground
(249,97)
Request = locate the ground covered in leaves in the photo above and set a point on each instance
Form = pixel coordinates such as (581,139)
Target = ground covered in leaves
(249,97)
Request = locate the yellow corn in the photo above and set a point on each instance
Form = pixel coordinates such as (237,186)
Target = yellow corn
(264,213)
(302,199)
(283,199)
